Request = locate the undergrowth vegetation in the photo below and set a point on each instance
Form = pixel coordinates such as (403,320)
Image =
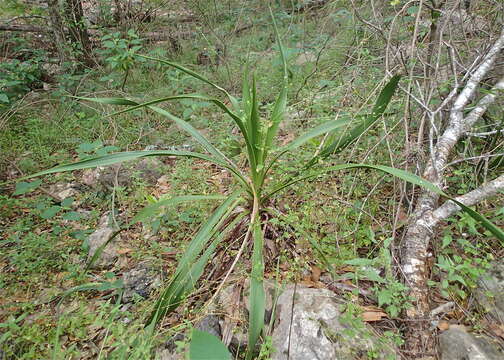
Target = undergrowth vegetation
(254,150)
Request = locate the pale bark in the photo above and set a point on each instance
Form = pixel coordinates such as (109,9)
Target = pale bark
(421,228)
(449,208)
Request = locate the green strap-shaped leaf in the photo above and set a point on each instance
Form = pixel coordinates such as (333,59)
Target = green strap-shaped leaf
(255,128)
(247,107)
(196,75)
(275,121)
(317,131)
(198,242)
(343,141)
(188,269)
(217,102)
(404,175)
(184,125)
(257,296)
(115,158)
(205,346)
(281,101)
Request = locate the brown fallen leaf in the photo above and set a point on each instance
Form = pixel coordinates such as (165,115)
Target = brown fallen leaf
(124,251)
(496,329)
(443,325)
(369,316)
(315,273)
(458,327)
(284,266)
(312,284)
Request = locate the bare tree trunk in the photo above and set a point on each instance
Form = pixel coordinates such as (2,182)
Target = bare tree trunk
(78,32)
(427,214)
(58,31)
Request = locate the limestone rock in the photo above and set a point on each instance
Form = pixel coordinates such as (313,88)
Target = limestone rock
(456,344)
(101,235)
(148,170)
(309,327)
(63,190)
(140,281)
(210,324)
(306,57)
(490,291)
(165,354)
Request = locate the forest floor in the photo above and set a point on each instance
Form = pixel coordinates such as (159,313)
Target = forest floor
(53,306)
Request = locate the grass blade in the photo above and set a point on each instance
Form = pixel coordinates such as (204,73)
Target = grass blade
(406,176)
(119,157)
(257,296)
(196,75)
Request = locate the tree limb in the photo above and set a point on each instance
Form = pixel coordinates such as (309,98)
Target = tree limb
(423,220)
(25,28)
(449,208)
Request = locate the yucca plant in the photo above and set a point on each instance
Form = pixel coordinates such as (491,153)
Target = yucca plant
(252,189)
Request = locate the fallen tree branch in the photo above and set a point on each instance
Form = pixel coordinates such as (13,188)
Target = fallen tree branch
(152,36)
(474,197)
(422,224)
(25,28)
(25,17)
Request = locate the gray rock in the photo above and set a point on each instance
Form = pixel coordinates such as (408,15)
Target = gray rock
(101,235)
(63,190)
(147,170)
(236,314)
(150,169)
(490,291)
(210,324)
(114,175)
(171,351)
(140,281)
(90,176)
(51,69)
(309,327)
(165,354)
(456,344)
(306,57)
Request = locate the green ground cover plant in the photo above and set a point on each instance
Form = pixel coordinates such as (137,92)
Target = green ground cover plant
(255,186)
